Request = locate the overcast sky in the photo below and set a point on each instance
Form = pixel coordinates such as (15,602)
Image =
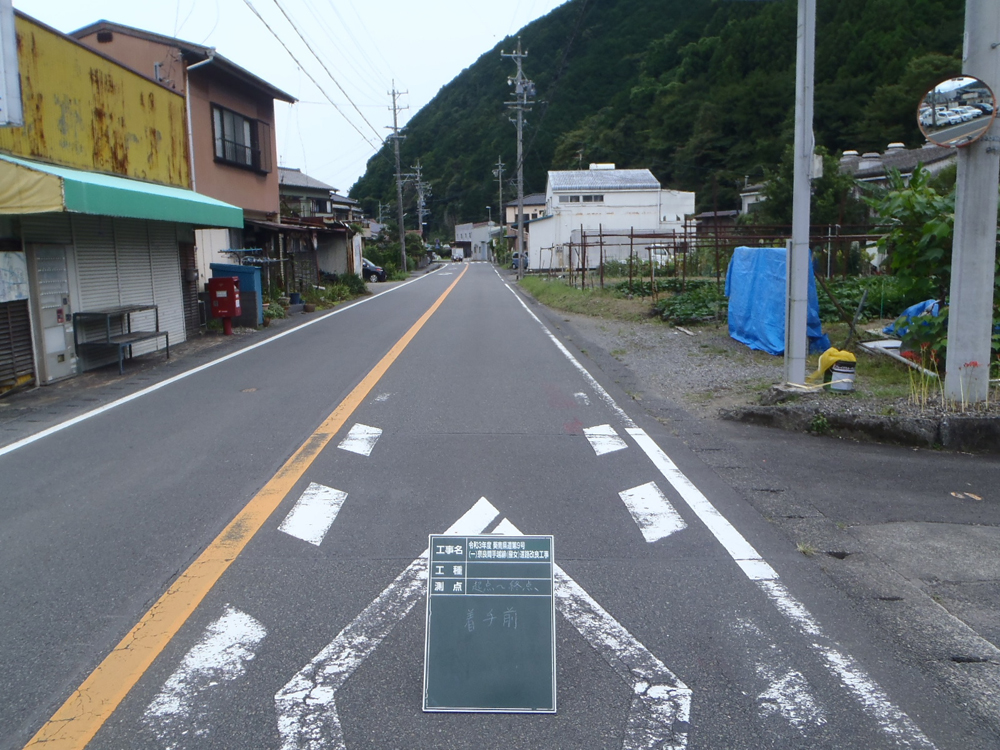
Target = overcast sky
(365,44)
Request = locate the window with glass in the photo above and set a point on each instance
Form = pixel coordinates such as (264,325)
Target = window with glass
(238,139)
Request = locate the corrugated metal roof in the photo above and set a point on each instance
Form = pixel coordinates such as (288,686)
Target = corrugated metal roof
(535,199)
(604,179)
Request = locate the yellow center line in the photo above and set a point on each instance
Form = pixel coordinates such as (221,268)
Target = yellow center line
(85,711)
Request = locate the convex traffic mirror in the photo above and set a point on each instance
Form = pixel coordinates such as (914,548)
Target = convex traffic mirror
(956,112)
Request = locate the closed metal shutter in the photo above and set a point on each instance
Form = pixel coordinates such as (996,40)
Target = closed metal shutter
(135,276)
(165,259)
(17,362)
(97,277)
(96,262)
(51,229)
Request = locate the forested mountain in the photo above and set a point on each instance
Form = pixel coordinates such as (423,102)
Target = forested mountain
(699,91)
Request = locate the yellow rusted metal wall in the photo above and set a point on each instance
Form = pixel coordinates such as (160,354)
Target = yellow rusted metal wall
(86,112)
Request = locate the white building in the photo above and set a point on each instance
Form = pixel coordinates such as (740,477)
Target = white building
(474,239)
(606,199)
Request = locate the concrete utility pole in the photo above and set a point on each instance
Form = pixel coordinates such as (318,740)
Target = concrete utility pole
(797,267)
(523,90)
(970,312)
(423,193)
(396,138)
(498,173)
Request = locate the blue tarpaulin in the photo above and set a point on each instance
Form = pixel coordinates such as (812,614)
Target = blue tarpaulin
(901,325)
(755,285)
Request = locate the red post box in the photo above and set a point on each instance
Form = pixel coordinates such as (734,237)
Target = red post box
(224,292)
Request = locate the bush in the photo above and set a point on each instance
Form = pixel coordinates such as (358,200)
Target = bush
(701,303)
(274,310)
(888,296)
(642,288)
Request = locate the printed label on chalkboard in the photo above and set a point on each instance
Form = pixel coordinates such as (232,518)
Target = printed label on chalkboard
(490,625)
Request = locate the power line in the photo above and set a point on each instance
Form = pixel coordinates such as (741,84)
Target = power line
(308,74)
(323,64)
(335,44)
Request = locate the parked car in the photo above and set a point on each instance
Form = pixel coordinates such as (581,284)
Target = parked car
(516,258)
(371,272)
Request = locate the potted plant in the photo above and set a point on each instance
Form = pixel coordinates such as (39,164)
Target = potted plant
(271,312)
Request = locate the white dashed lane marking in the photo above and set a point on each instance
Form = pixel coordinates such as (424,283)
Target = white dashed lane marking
(313,513)
(361,439)
(178,714)
(603,439)
(653,513)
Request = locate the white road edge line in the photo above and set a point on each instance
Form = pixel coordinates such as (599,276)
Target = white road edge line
(306,706)
(598,388)
(661,706)
(313,513)
(361,439)
(221,655)
(652,512)
(892,721)
(603,439)
(188,373)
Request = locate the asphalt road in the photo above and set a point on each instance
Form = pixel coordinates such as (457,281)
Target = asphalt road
(683,618)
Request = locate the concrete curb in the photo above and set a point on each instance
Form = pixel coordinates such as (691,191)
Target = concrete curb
(955,432)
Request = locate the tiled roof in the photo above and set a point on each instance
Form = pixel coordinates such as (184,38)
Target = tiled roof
(604,179)
(905,160)
(297,178)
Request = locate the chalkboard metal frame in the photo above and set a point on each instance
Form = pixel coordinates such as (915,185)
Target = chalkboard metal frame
(527,683)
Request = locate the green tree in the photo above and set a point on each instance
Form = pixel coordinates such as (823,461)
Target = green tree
(919,223)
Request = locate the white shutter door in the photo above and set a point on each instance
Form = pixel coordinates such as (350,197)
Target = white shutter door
(95,262)
(168,294)
(135,276)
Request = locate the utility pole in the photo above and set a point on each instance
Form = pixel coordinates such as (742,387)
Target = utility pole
(523,90)
(423,193)
(498,173)
(797,265)
(970,314)
(396,138)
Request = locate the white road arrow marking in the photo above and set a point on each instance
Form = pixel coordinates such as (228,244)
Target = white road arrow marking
(604,439)
(788,693)
(653,513)
(661,703)
(361,439)
(313,513)
(178,710)
(306,707)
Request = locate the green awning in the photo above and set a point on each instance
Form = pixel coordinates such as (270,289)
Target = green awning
(30,187)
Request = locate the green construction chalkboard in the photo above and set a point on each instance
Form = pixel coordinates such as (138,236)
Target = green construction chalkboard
(490,625)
